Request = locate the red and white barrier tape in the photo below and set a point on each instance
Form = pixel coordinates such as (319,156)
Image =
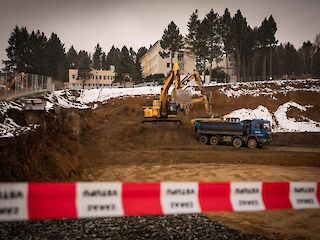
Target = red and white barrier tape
(23,201)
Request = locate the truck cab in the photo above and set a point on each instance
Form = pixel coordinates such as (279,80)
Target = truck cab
(261,130)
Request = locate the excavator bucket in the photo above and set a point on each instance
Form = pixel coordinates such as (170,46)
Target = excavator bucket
(182,96)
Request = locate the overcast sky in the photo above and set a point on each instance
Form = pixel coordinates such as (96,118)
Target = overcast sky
(136,23)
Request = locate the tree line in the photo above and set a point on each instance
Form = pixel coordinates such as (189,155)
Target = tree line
(35,53)
(253,51)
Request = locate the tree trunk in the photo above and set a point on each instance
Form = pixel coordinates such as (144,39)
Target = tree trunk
(253,72)
(311,65)
(204,70)
(171,56)
(270,63)
(238,66)
(244,69)
(264,67)
(210,74)
(227,65)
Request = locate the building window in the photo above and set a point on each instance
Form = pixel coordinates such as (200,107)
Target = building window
(100,77)
(104,77)
(96,77)
(180,56)
(73,76)
(168,65)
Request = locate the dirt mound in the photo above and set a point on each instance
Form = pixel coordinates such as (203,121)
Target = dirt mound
(45,154)
(222,104)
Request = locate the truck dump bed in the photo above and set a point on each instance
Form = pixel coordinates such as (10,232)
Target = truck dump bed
(219,127)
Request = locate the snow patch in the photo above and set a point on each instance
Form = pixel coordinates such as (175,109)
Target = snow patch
(5,106)
(286,124)
(263,88)
(260,112)
(279,119)
(10,129)
(88,98)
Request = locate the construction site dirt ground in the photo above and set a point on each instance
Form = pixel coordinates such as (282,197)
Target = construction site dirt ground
(115,146)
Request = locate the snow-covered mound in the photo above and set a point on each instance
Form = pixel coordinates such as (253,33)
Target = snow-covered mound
(260,112)
(87,98)
(9,128)
(267,88)
(279,119)
(103,94)
(286,124)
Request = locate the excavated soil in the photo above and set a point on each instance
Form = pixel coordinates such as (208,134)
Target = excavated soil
(116,146)
(111,144)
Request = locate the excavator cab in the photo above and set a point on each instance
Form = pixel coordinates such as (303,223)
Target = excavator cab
(164,110)
(172,108)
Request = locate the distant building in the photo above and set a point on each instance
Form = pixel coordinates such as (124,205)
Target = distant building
(153,63)
(97,79)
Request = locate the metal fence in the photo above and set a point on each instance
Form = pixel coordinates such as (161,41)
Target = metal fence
(22,84)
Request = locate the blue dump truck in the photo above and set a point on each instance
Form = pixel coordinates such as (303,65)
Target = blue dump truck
(253,133)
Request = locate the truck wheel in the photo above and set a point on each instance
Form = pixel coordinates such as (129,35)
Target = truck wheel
(203,139)
(237,142)
(252,143)
(214,140)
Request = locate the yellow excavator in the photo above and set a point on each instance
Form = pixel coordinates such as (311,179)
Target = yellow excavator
(164,109)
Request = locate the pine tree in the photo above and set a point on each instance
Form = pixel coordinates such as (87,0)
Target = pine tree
(213,40)
(55,57)
(306,55)
(104,64)
(171,42)
(195,39)
(193,25)
(239,27)
(133,54)
(316,57)
(72,57)
(141,52)
(36,61)
(113,57)
(248,46)
(139,74)
(267,39)
(125,66)
(84,68)
(226,36)
(17,51)
(96,58)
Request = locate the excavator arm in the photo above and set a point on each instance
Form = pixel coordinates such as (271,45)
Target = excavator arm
(185,106)
(196,76)
(172,77)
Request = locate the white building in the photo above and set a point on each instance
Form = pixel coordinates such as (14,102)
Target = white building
(153,63)
(97,79)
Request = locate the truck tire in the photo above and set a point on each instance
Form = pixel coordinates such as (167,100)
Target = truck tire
(252,143)
(203,139)
(214,140)
(237,142)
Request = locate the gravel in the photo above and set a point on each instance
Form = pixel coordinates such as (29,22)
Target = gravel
(193,226)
